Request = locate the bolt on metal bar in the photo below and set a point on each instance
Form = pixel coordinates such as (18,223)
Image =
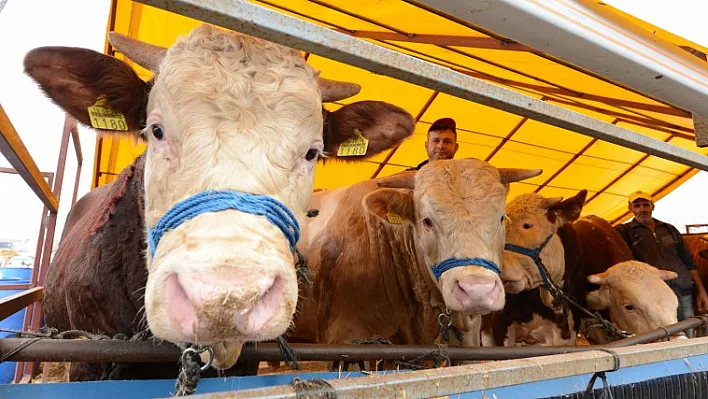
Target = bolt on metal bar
(259,21)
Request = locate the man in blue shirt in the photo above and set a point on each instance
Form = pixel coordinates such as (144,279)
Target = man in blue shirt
(661,245)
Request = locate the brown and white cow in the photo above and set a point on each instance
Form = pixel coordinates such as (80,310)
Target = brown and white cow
(224,112)
(636,295)
(530,316)
(647,308)
(373,244)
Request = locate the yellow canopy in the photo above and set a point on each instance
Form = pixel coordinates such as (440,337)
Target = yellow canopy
(570,161)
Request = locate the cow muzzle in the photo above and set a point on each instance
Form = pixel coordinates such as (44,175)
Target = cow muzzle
(470,285)
(222,277)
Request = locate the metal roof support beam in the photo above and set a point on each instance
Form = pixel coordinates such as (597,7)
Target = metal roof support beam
(588,35)
(14,150)
(489,43)
(259,21)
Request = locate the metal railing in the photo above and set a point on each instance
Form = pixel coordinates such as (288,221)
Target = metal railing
(49,192)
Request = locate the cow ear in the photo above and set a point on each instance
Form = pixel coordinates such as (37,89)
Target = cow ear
(384,125)
(392,206)
(599,299)
(666,274)
(568,210)
(76,79)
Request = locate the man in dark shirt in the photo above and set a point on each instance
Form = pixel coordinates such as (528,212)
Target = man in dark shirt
(661,245)
(442,141)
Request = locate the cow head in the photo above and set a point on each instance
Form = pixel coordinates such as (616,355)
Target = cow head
(532,220)
(456,208)
(228,113)
(636,295)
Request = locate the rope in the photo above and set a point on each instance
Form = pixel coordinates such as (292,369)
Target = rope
(601,374)
(287,352)
(214,201)
(438,357)
(313,388)
(560,298)
(18,348)
(189,374)
(452,263)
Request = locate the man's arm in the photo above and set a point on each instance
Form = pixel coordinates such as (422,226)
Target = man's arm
(701,296)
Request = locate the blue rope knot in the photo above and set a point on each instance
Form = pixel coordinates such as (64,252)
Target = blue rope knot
(535,255)
(215,201)
(452,263)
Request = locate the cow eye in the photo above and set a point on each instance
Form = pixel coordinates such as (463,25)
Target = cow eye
(428,223)
(629,307)
(311,154)
(527,226)
(158,132)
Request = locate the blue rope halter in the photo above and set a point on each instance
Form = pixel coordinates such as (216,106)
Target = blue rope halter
(535,255)
(452,263)
(215,201)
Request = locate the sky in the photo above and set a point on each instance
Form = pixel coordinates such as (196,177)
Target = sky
(26,24)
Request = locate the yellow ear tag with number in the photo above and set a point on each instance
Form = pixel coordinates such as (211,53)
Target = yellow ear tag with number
(103,117)
(394,218)
(356,145)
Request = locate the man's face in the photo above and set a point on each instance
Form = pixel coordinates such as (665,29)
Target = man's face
(441,145)
(642,209)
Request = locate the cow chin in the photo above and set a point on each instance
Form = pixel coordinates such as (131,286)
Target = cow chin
(214,294)
(472,290)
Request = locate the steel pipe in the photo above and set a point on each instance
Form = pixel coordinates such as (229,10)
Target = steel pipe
(56,350)
(252,19)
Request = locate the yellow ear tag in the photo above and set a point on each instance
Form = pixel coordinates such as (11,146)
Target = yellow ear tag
(103,117)
(394,218)
(356,145)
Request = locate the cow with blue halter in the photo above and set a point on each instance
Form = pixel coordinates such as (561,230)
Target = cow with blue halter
(200,231)
(542,255)
(401,257)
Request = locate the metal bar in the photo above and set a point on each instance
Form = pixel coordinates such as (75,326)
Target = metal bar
(108,351)
(77,142)
(270,25)
(97,162)
(7,287)
(77,179)
(14,303)
(570,162)
(394,149)
(590,36)
(470,378)
(14,150)
(36,312)
(441,40)
(622,175)
(506,139)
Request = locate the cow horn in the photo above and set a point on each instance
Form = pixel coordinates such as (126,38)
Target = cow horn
(146,55)
(510,175)
(333,90)
(400,180)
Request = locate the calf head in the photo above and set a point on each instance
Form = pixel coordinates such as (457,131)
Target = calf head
(234,126)
(456,208)
(533,221)
(636,295)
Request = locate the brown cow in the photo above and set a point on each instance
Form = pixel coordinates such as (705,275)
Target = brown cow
(371,250)
(530,316)
(224,112)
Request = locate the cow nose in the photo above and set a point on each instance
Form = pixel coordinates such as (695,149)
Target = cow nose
(476,291)
(207,308)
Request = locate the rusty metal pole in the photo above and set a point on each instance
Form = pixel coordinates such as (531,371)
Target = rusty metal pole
(79,159)
(49,239)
